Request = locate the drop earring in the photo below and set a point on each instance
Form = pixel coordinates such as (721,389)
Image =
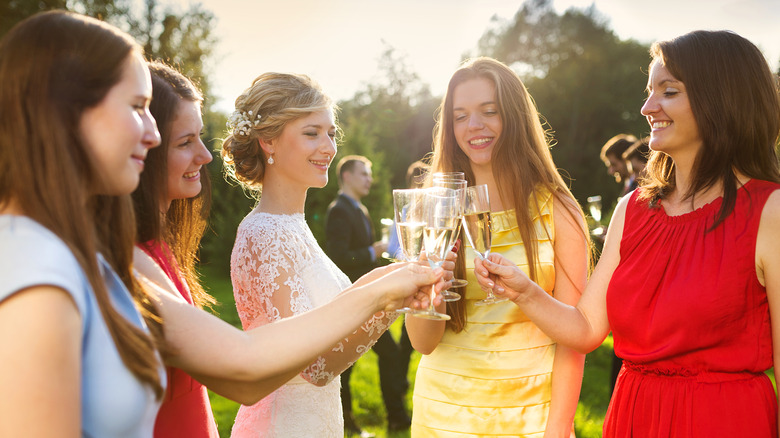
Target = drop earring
(271,159)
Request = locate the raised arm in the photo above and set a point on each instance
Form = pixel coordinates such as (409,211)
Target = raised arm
(582,327)
(246,366)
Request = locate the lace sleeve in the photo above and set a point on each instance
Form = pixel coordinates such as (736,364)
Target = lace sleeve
(278,271)
(266,285)
(348,351)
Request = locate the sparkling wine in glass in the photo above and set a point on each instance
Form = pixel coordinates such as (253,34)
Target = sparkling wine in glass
(410,223)
(442,212)
(476,220)
(459,186)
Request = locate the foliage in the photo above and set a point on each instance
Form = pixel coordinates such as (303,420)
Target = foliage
(180,38)
(390,122)
(587,83)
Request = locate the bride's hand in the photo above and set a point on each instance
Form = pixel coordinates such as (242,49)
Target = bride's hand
(408,285)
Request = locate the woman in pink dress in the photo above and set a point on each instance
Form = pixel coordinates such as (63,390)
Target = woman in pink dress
(689,280)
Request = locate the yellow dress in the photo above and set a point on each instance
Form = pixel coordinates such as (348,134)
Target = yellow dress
(495,376)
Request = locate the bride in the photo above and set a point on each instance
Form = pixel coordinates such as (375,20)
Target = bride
(281,142)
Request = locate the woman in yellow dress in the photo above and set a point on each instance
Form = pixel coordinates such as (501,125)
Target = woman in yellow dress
(489,370)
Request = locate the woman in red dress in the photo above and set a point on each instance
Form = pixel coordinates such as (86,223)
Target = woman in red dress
(689,279)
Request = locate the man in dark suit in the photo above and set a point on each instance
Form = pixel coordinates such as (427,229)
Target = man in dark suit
(350,244)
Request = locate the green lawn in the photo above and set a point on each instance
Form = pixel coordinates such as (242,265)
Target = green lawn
(368,407)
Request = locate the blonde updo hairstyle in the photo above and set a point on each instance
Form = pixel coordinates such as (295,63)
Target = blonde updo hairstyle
(278,98)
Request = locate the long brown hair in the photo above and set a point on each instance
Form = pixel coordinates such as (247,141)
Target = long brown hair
(521,159)
(183,225)
(734,100)
(53,67)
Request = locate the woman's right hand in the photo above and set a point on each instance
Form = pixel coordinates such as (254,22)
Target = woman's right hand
(408,285)
(502,276)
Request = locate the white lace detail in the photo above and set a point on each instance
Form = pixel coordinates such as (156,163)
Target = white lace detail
(278,270)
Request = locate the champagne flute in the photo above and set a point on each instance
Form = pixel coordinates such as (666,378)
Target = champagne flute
(476,217)
(594,208)
(453,180)
(409,223)
(459,186)
(442,209)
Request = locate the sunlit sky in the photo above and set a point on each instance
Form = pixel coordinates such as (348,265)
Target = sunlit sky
(339,42)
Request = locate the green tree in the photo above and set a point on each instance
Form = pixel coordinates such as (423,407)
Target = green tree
(588,84)
(390,122)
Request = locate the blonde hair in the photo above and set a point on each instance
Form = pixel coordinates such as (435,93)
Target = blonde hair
(278,98)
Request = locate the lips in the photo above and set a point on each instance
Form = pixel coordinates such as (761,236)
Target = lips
(192,175)
(661,124)
(480,142)
(323,164)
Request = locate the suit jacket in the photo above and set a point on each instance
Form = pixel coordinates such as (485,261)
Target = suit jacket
(347,241)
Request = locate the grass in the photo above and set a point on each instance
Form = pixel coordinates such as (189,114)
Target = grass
(368,409)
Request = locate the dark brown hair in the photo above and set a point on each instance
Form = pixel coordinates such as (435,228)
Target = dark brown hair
(183,225)
(521,159)
(616,146)
(53,67)
(734,100)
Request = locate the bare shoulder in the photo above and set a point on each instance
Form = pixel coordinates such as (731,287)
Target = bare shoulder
(769,226)
(567,215)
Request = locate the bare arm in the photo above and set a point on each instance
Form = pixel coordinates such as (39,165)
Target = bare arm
(571,276)
(246,366)
(582,327)
(40,364)
(768,266)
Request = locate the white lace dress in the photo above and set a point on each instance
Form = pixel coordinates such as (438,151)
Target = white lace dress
(278,270)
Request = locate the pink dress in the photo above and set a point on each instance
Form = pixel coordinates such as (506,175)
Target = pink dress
(691,321)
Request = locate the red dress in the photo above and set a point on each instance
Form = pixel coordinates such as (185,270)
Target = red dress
(691,321)
(186,410)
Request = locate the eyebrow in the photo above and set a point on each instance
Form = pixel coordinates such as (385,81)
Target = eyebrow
(317,126)
(660,84)
(482,104)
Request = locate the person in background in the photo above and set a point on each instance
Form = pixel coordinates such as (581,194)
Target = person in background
(689,278)
(612,156)
(490,371)
(349,242)
(636,156)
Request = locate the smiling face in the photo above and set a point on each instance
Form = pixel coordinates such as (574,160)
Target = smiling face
(304,150)
(119,130)
(476,122)
(668,111)
(186,153)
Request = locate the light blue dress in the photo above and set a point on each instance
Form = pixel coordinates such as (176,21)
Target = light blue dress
(114,403)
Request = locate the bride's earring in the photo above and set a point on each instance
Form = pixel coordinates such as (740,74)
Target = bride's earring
(271,159)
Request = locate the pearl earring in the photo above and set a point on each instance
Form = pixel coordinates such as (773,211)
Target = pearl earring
(271,159)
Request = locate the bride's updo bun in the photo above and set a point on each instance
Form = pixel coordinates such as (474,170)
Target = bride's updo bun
(262,112)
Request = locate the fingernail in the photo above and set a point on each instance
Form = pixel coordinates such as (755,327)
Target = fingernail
(500,289)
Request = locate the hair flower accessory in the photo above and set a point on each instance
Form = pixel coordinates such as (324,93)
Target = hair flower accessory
(242,122)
